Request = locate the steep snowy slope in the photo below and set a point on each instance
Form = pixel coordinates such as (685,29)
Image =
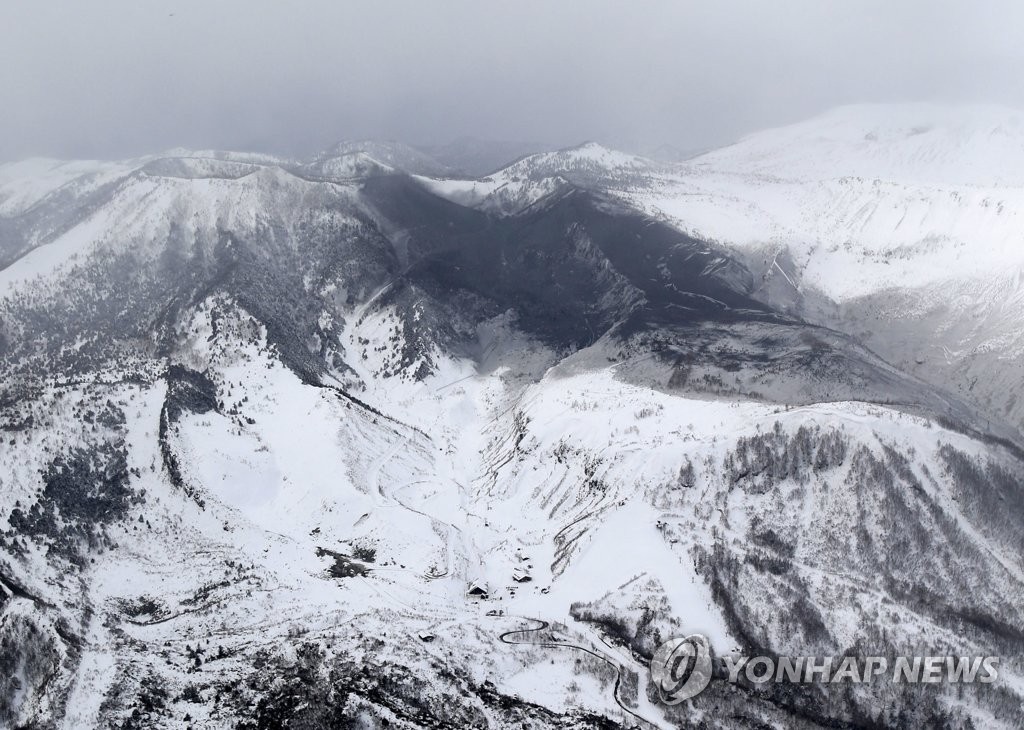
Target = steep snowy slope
(908,218)
(866,198)
(524,182)
(922,250)
(23,184)
(900,224)
(324,448)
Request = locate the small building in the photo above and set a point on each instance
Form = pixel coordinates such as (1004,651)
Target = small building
(519,575)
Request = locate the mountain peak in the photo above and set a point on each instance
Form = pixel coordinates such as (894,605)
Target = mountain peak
(921,142)
(589,158)
(390,154)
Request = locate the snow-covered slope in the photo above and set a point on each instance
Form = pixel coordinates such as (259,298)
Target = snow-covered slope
(473,157)
(873,219)
(537,176)
(395,155)
(908,218)
(913,143)
(324,443)
(23,184)
(865,198)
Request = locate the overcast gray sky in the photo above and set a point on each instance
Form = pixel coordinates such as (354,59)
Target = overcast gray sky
(110,78)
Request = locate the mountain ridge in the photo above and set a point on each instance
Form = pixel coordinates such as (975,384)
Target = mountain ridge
(308,442)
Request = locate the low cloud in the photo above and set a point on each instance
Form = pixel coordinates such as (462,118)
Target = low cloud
(117,78)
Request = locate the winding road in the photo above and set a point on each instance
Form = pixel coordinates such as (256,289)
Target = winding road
(541,626)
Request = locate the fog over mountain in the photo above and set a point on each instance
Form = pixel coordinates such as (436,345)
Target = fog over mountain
(119,78)
(351,378)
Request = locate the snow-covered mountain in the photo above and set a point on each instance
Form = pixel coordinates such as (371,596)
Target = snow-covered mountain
(512,189)
(350,442)
(899,224)
(392,155)
(472,157)
(905,220)
(922,143)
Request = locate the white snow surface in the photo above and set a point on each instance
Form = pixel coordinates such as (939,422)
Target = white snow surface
(866,198)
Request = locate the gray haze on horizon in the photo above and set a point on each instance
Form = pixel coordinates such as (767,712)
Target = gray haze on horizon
(116,78)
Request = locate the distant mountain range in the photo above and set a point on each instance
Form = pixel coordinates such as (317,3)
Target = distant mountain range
(456,436)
